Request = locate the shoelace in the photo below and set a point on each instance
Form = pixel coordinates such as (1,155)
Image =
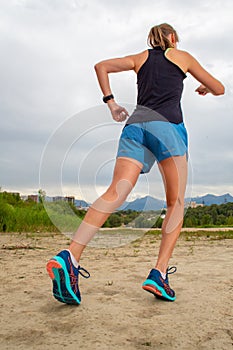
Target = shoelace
(171,270)
(86,274)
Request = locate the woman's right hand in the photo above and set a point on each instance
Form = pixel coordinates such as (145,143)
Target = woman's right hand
(119,114)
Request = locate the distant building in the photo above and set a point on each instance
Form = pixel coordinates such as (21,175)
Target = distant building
(193,205)
(33,198)
(58,199)
(69,199)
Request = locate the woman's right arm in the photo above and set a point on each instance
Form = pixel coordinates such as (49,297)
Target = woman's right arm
(103,69)
(115,65)
(208,82)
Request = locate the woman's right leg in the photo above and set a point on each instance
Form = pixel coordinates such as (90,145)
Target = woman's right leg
(62,268)
(125,176)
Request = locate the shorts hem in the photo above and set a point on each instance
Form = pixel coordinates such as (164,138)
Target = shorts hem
(173,155)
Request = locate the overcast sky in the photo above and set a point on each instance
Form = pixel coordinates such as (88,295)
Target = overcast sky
(55,131)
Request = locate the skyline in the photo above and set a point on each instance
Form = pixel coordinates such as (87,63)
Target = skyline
(55,127)
(72,197)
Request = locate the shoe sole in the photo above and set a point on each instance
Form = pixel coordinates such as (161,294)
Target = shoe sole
(158,291)
(59,275)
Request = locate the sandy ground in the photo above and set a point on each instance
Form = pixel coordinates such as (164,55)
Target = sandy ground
(116,313)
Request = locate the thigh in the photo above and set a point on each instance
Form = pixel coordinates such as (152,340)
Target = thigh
(174,172)
(126,169)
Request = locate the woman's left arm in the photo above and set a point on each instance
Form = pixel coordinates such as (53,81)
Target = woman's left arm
(208,82)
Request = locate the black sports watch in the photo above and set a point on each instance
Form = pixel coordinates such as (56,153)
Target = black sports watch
(107,98)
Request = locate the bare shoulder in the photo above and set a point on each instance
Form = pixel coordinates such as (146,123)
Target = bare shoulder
(139,59)
(139,56)
(180,54)
(189,63)
(180,58)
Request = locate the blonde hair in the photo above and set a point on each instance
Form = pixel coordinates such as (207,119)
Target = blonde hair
(158,36)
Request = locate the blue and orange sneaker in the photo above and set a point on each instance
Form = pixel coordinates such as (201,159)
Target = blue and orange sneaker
(64,276)
(158,286)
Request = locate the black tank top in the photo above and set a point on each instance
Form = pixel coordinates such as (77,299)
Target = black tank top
(160,87)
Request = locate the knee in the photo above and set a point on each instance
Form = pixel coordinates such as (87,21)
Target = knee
(113,198)
(118,192)
(174,216)
(113,195)
(175,202)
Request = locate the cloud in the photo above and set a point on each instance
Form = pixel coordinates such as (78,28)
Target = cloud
(48,51)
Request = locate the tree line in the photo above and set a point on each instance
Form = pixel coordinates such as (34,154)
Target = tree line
(207,216)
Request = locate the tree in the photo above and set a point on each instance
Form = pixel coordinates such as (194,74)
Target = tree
(230,221)
(41,195)
(114,220)
(7,216)
(221,220)
(214,214)
(158,222)
(206,220)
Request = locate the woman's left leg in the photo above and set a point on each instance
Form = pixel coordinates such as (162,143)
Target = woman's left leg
(174,174)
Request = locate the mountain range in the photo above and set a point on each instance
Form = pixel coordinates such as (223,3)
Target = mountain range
(150,203)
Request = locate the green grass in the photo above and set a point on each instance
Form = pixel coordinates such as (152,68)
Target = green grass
(189,235)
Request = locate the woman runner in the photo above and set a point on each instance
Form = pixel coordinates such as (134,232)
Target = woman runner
(154,132)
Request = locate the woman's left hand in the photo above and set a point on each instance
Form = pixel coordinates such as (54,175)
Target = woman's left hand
(202,90)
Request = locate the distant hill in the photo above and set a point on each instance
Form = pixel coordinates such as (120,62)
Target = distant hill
(210,199)
(144,204)
(81,203)
(148,203)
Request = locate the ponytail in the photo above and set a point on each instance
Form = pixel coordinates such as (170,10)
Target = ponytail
(158,36)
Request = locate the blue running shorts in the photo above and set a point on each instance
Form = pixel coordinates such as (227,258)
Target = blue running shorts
(152,141)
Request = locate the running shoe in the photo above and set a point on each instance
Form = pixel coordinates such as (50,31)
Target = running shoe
(158,286)
(64,276)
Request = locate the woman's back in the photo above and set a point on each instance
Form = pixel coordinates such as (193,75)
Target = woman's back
(160,85)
